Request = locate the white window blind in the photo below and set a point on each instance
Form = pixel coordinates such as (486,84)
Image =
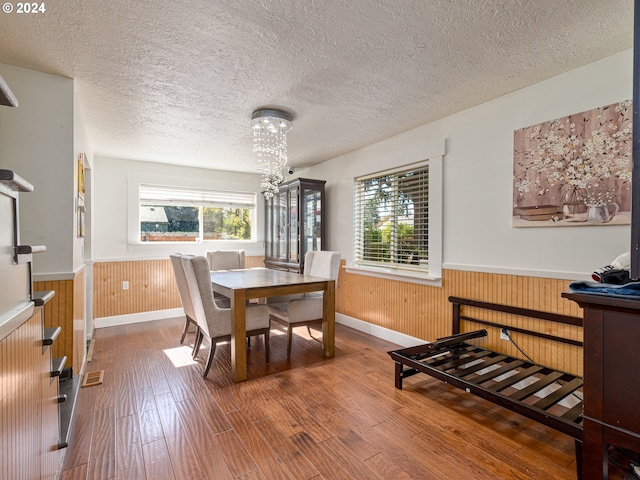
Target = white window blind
(194,197)
(392,219)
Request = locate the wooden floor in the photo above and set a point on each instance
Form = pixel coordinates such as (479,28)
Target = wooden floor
(155,417)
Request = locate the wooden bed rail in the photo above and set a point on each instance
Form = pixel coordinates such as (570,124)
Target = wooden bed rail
(457,302)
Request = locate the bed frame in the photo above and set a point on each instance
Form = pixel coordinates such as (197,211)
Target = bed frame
(506,381)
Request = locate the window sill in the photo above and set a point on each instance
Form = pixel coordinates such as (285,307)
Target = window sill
(419,278)
(251,248)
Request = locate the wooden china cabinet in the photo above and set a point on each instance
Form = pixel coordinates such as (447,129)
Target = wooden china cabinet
(294,224)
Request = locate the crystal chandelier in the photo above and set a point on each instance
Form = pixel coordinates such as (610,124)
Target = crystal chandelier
(270,129)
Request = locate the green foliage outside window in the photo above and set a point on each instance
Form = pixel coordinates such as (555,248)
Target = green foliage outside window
(394,212)
(226,223)
(178,223)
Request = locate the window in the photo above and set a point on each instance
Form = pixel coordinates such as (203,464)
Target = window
(392,220)
(181,214)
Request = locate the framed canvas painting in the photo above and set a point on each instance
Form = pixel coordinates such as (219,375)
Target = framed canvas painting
(81,179)
(574,170)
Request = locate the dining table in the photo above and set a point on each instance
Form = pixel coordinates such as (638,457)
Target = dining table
(255,283)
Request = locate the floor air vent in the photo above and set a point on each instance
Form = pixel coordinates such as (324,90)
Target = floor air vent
(93,378)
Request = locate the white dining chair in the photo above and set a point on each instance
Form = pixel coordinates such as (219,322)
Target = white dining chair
(225,260)
(183,292)
(308,309)
(215,323)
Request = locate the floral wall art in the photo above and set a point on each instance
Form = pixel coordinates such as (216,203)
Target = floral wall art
(574,170)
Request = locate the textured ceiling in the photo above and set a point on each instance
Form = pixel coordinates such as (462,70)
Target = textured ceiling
(176,81)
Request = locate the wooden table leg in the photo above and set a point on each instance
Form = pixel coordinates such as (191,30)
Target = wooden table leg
(238,335)
(329,320)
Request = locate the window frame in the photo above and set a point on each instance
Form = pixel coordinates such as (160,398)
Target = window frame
(414,185)
(133,221)
(154,195)
(433,155)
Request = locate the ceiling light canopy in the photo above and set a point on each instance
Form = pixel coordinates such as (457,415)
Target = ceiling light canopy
(270,129)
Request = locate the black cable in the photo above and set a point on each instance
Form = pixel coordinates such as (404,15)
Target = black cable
(508,334)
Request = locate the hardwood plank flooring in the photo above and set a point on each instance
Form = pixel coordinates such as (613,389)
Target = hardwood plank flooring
(306,417)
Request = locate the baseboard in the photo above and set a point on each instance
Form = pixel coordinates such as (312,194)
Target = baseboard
(138,317)
(379,332)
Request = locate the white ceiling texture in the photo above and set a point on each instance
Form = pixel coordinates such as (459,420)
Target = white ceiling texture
(176,81)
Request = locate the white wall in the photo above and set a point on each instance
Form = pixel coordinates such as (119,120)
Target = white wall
(36,141)
(82,254)
(81,145)
(478,179)
(111,204)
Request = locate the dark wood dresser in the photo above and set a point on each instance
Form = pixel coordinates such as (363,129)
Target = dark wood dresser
(611,378)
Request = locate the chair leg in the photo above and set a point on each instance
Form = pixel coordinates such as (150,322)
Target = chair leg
(266,346)
(197,343)
(311,335)
(289,337)
(187,322)
(212,352)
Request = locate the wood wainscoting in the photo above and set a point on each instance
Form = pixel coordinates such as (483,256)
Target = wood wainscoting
(417,310)
(152,286)
(67,310)
(28,405)
(424,311)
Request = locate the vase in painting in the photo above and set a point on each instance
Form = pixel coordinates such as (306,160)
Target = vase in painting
(574,208)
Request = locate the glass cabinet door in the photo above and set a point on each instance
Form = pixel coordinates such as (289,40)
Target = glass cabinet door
(294,234)
(269,229)
(281,225)
(312,203)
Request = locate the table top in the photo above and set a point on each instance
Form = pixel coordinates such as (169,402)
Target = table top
(261,277)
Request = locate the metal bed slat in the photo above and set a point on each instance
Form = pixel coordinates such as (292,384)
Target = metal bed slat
(507,382)
(471,357)
(559,394)
(486,362)
(497,372)
(537,386)
(574,414)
